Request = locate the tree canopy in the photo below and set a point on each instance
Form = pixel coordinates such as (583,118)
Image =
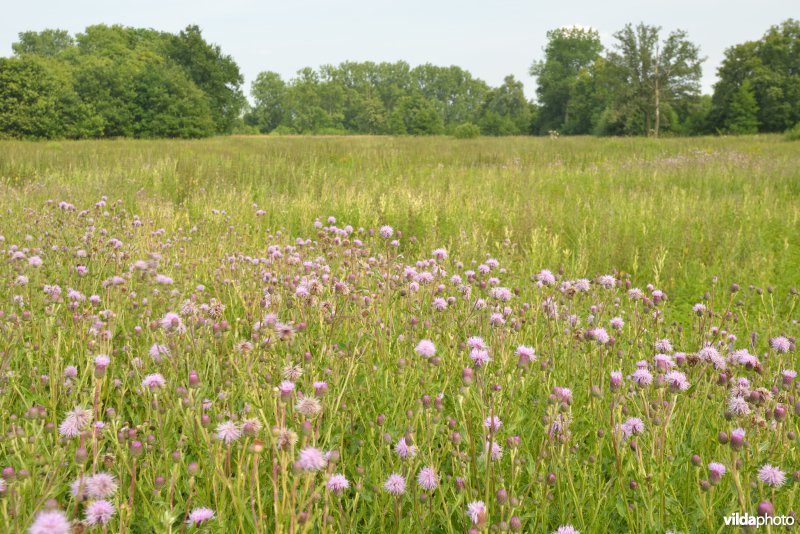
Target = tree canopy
(118,81)
(112,81)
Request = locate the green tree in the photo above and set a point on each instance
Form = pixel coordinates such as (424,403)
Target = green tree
(215,73)
(46,43)
(771,65)
(649,74)
(270,100)
(37,101)
(743,113)
(564,75)
(506,111)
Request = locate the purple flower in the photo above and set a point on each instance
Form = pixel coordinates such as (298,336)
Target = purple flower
(395,484)
(427,479)
(426,348)
(99,513)
(566,529)
(477,512)
(771,476)
(198,516)
(50,522)
(101,486)
(404,450)
(311,459)
(337,484)
(228,432)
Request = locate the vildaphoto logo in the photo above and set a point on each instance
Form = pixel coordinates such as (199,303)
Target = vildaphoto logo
(747,520)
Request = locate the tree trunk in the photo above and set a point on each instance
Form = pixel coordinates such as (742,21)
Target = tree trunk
(658,98)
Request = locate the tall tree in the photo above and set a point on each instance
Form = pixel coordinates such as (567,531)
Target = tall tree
(46,43)
(215,73)
(568,57)
(652,74)
(269,95)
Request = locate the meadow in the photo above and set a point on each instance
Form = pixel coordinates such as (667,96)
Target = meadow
(375,334)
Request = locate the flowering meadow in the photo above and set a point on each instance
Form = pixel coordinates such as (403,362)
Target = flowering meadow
(383,335)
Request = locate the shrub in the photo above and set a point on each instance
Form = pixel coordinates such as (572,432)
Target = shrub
(793,134)
(466,131)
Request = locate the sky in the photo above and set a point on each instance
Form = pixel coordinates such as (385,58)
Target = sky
(490,38)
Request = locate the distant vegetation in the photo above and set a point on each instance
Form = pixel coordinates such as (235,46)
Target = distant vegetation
(114,81)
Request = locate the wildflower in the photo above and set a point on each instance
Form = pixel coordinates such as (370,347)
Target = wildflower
(198,516)
(75,422)
(607,281)
(337,484)
(99,513)
(395,484)
(496,450)
(153,381)
(642,377)
(479,357)
(311,459)
(404,450)
(425,348)
(50,522)
(771,476)
(477,512)
(228,432)
(780,344)
(427,479)
(566,529)
(526,355)
(677,381)
(308,406)
(386,231)
(101,486)
(493,423)
(715,472)
(171,322)
(545,278)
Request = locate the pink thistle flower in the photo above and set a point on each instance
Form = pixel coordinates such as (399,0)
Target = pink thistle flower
(477,512)
(311,459)
(677,381)
(427,479)
(171,321)
(440,254)
(477,343)
(780,344)
(157,351)
(496,450)
(198,516)
(75,422)
(99,513)
(607,281)
(425,348)
(50,522)
(771,476)
(617,323)
(395,484)
(493,423)
(337,484)
(566,529)
(642,377)
(101,486)
(154,381)
(35,261)
(404,450)
(386,231)
(545,278)
(715,472)
(228,432)
(479,357)
(664,345)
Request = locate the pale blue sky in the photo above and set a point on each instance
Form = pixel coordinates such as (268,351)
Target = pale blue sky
(491,38)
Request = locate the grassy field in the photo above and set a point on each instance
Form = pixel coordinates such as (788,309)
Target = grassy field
(233,323)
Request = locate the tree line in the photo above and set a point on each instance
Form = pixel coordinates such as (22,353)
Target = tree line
(115,81)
